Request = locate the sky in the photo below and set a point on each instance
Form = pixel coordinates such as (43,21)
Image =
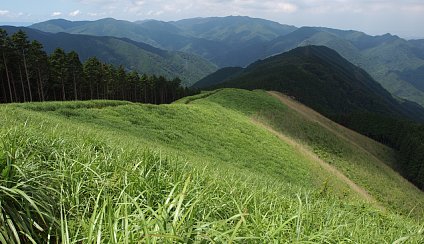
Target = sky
(404,18)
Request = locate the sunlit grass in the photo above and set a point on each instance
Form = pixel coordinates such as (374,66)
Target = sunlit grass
(364,161)
(129,173)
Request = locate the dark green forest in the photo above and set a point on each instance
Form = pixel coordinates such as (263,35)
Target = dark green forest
(28,74)
(405,136)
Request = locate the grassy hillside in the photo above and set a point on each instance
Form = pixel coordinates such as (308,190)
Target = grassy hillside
(363,160)
(132,55)
(320,78)
(213,168)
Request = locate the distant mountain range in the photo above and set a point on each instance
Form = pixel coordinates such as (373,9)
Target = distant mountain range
(211,38)
(320,78)
(395,63)
(132,55)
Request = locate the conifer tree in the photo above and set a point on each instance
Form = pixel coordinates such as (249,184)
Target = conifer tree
(5,47)
(21,44)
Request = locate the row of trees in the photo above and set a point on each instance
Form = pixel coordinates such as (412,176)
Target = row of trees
(405,136)
(28,74)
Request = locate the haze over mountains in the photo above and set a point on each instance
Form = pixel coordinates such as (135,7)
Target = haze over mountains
(395,63)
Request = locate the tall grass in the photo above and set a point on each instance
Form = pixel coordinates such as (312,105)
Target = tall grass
(26,198)
(361,159)
(74,190)
(81,181)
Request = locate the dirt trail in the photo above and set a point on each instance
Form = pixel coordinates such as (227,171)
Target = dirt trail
(351,136)
(305,151)
(315,116)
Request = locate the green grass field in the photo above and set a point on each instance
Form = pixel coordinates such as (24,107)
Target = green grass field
(199,170)
(358,157)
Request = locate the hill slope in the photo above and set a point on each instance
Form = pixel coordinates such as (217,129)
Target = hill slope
(234,179)
(319,77)
(132,55)
(351,153)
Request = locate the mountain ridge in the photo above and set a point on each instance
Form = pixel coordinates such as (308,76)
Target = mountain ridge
(240,40)
(133,55)
(208,45)
(322,79)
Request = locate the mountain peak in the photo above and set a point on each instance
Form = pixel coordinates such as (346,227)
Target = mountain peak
(108,19)
(322,79)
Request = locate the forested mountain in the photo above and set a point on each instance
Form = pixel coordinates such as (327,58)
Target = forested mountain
(28,74)
(136,56)
(395,63)
(234,30)
(322,79)
(211,38)
(231,30)
(217,77)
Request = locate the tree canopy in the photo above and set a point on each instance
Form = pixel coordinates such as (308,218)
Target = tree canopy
(28,74)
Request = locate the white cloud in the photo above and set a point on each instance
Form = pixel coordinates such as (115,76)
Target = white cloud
(4,12)
(416,8)
(285,8)
(139,2)
(194,8)
(199,8)
(54,14)
(360,6)
(75,13)
(155,13)
(95,14)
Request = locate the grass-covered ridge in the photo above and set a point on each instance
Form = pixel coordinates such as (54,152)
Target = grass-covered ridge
(363,160)
(202,171)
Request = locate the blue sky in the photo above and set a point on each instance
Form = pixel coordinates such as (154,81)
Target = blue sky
(404,18)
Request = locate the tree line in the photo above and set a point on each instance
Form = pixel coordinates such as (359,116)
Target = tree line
(405,136)
(28,73)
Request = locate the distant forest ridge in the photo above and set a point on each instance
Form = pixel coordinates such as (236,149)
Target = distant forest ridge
(397,64)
